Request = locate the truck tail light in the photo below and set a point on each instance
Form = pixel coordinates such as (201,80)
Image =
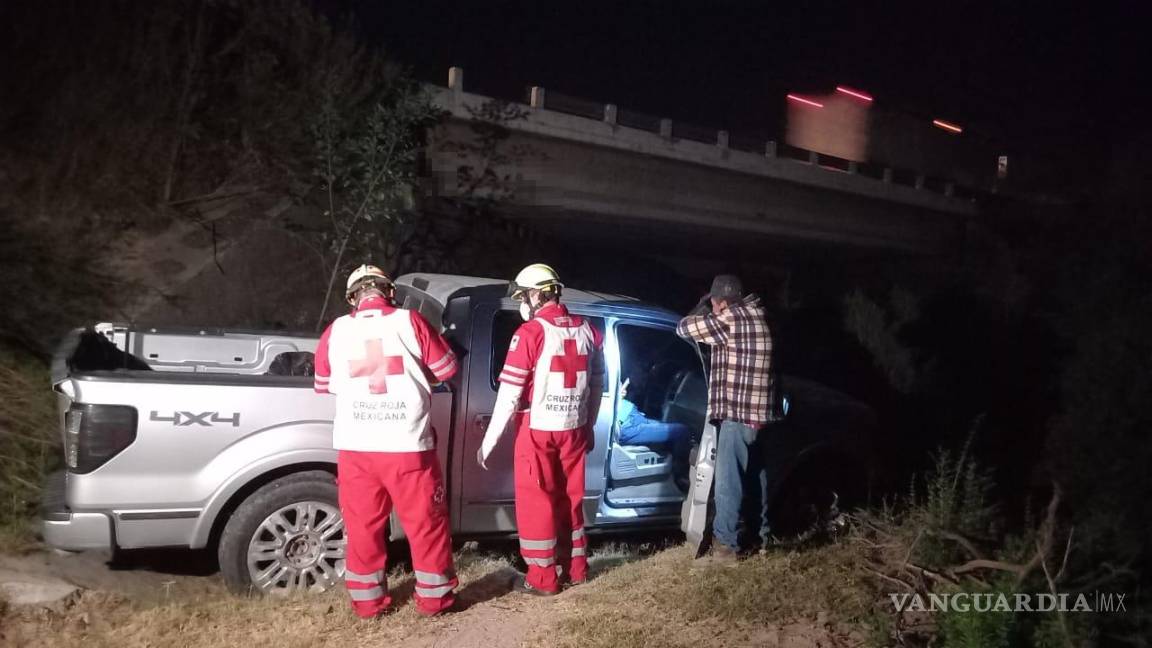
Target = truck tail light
(96,433)
(72,436)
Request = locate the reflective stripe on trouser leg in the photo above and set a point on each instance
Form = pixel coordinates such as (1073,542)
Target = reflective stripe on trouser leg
(430,585)
(422,508)
(570,503)
(538,553)
(534,468)
(374,578)
(538,545)
(374,592)
(365,595)
(364,504)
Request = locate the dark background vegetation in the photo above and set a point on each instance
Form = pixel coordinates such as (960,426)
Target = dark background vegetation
(127,121)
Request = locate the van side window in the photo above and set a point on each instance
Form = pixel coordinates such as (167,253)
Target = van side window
(504,325)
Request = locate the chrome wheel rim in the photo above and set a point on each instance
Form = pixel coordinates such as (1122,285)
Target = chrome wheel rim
(298,548)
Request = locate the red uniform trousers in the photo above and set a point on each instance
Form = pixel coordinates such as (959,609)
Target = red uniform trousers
(370,484)
(549,472)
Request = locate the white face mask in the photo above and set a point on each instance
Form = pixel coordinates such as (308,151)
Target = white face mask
(525,311)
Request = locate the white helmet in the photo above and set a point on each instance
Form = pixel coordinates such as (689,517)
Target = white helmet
(535,277)
(365,274)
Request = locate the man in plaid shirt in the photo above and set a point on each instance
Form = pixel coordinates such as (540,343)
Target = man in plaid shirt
(740,399)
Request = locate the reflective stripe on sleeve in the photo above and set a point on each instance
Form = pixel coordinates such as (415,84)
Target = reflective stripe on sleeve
(510,379)
(577,534)
(578,551)
(444,361)
(444,371)
(540,562)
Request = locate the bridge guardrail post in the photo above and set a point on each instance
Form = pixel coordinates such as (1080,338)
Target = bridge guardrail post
(919,180)
(770,149)
(666,129)
(537,98)
(610,113)
(456,84)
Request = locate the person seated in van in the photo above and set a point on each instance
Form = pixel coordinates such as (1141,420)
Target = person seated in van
(634,428)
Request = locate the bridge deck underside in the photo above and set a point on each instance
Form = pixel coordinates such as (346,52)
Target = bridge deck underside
(569,180)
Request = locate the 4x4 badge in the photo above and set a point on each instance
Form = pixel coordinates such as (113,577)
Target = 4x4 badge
(182,419)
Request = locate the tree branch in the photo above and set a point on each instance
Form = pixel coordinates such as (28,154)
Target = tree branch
(890,579)
(1067,552)
(967,544)
(936,576)
(184,103)
(1052,588)
(998,565)
(212,196)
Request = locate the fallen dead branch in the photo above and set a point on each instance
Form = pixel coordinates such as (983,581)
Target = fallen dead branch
(888,548)
(890,579)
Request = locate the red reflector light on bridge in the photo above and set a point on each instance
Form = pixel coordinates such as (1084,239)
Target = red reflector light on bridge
(854,93)
(802,100)
(953,128)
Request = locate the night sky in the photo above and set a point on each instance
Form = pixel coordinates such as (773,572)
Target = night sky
(1028,76)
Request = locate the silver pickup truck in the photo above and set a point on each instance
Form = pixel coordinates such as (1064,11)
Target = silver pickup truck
(215,439)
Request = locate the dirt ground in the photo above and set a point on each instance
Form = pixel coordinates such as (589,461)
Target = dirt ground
(149,576)
(173,599)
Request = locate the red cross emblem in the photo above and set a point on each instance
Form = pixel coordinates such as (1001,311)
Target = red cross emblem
(570,363)
(376,366)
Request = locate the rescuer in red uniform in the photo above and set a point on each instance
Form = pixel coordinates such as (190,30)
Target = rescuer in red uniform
(554,365)
(381,362)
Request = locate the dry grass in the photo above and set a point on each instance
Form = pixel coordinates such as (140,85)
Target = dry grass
(19,536)
(796,599)
(99,619)
(673,600)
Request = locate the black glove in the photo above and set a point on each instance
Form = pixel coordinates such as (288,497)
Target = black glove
(703,307)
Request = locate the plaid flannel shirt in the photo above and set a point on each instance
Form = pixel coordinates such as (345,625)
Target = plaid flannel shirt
(740,385)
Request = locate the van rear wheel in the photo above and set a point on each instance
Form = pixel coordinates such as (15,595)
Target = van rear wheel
(286,537)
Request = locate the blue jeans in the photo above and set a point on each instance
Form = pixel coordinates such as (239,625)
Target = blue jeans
(739,466)
(675,435)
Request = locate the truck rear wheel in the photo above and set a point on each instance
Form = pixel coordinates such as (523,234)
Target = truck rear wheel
(286,537)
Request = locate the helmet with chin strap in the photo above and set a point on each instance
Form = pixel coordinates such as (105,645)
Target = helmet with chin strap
(537,276)
(363,277)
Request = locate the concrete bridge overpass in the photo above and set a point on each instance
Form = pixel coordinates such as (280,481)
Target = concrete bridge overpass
(590,163)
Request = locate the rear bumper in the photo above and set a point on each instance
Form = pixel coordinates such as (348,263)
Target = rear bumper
(66,529)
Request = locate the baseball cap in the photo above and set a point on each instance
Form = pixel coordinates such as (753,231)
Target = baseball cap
(726,286)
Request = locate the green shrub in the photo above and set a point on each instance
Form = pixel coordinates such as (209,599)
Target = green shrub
(979,629)
(29,439)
